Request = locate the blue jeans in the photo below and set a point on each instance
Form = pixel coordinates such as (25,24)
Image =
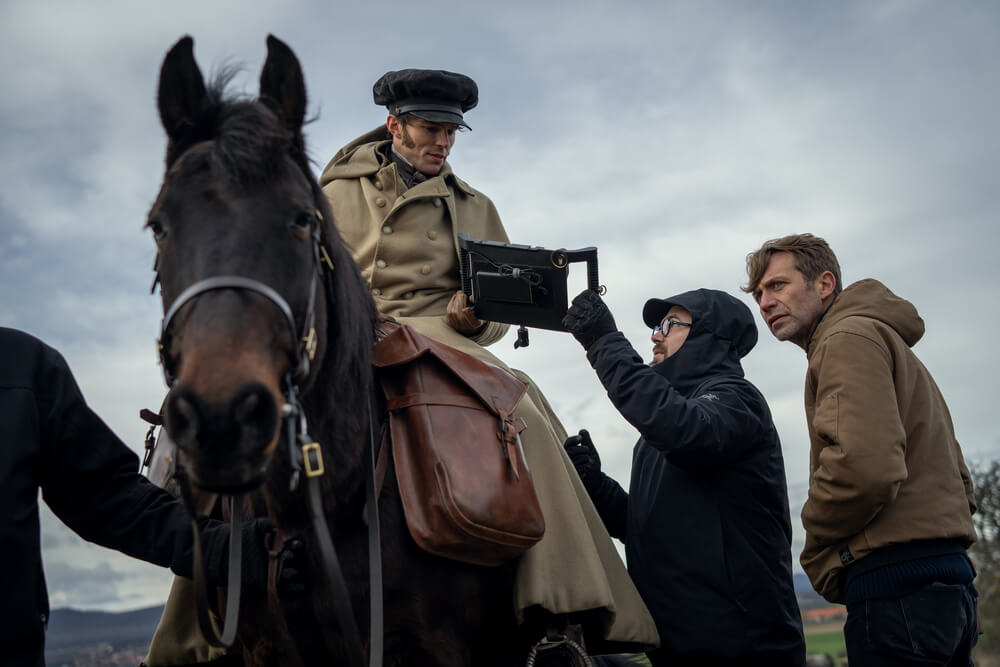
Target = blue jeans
(936,625)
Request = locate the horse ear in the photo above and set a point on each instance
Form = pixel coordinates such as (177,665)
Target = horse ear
(182,89)
(282,86)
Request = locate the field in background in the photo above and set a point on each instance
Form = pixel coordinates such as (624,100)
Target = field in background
(825,639)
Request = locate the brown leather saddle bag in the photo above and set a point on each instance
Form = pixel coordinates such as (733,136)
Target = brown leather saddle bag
(466,490)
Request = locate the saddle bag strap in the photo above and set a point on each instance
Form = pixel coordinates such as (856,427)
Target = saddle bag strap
(508,431)
(409,400)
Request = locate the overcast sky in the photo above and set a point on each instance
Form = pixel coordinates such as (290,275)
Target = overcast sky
(674,136)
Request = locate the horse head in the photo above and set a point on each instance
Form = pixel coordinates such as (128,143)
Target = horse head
(245,259)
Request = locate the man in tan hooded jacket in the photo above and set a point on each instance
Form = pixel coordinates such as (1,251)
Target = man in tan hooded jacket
(889,512)
(400,207)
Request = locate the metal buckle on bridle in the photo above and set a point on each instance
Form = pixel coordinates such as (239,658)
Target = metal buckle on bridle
(312,459)
(309,342)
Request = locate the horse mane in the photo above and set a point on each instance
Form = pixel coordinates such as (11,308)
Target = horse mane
(352,320)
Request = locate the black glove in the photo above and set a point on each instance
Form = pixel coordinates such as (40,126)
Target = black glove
(583,454)
(589,318)
(253,568)
(292,565)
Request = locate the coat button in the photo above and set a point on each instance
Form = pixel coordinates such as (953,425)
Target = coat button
(425,269)
(380,263)
(437,202)
(378,185)
(387,229)
(380,202)
(432,234)
(408,295)
(377,292)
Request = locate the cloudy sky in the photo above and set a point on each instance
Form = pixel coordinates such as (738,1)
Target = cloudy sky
(675,136)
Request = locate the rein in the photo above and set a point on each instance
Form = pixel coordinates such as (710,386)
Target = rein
(306,457)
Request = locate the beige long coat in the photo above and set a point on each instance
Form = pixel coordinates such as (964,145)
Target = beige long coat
(405,242)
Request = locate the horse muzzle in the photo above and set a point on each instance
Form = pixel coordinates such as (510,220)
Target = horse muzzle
(227,445)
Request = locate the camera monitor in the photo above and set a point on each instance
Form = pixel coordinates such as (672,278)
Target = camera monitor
(520,284)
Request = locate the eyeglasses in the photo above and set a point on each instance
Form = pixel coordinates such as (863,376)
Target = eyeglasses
(664,326)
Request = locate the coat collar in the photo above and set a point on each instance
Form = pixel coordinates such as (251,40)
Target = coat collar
(362,157)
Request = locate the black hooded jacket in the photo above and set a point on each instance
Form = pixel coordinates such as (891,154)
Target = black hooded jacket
(51,440)
(705,523)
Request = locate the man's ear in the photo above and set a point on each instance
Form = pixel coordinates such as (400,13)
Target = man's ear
(826,283)
(392,124)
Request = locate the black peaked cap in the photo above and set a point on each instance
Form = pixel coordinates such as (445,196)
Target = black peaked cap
(432,94)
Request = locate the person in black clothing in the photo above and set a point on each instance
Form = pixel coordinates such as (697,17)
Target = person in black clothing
(705,523)
(51,440)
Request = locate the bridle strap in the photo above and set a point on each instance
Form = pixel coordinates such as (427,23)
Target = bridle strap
(238,283)
(235,575)
(228,282)
(305,341)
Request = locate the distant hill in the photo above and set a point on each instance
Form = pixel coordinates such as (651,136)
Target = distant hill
(69,628)
(74,628)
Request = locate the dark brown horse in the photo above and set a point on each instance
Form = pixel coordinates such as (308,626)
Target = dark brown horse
(250,264)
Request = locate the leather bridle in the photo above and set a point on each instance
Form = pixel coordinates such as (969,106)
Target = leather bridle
(306,457)
(305,351)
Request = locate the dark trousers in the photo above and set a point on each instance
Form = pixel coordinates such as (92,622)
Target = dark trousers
(936,625)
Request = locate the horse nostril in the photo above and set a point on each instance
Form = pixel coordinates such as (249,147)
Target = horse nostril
(181,418)
(256,415)
(245,409)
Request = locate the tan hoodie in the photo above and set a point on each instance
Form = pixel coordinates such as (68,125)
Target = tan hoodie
(885,467)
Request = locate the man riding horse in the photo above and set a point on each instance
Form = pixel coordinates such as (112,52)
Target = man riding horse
(399,206)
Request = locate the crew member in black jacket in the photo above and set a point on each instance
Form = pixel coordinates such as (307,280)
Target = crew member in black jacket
(705,522)
(51,440)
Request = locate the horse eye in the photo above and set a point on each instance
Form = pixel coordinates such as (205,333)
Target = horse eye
(303,221)
(156,226)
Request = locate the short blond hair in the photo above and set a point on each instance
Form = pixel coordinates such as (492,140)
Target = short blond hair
(812,254)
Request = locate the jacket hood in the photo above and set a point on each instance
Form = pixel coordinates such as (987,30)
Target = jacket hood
(722,332)
(351,162)
(871,299)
